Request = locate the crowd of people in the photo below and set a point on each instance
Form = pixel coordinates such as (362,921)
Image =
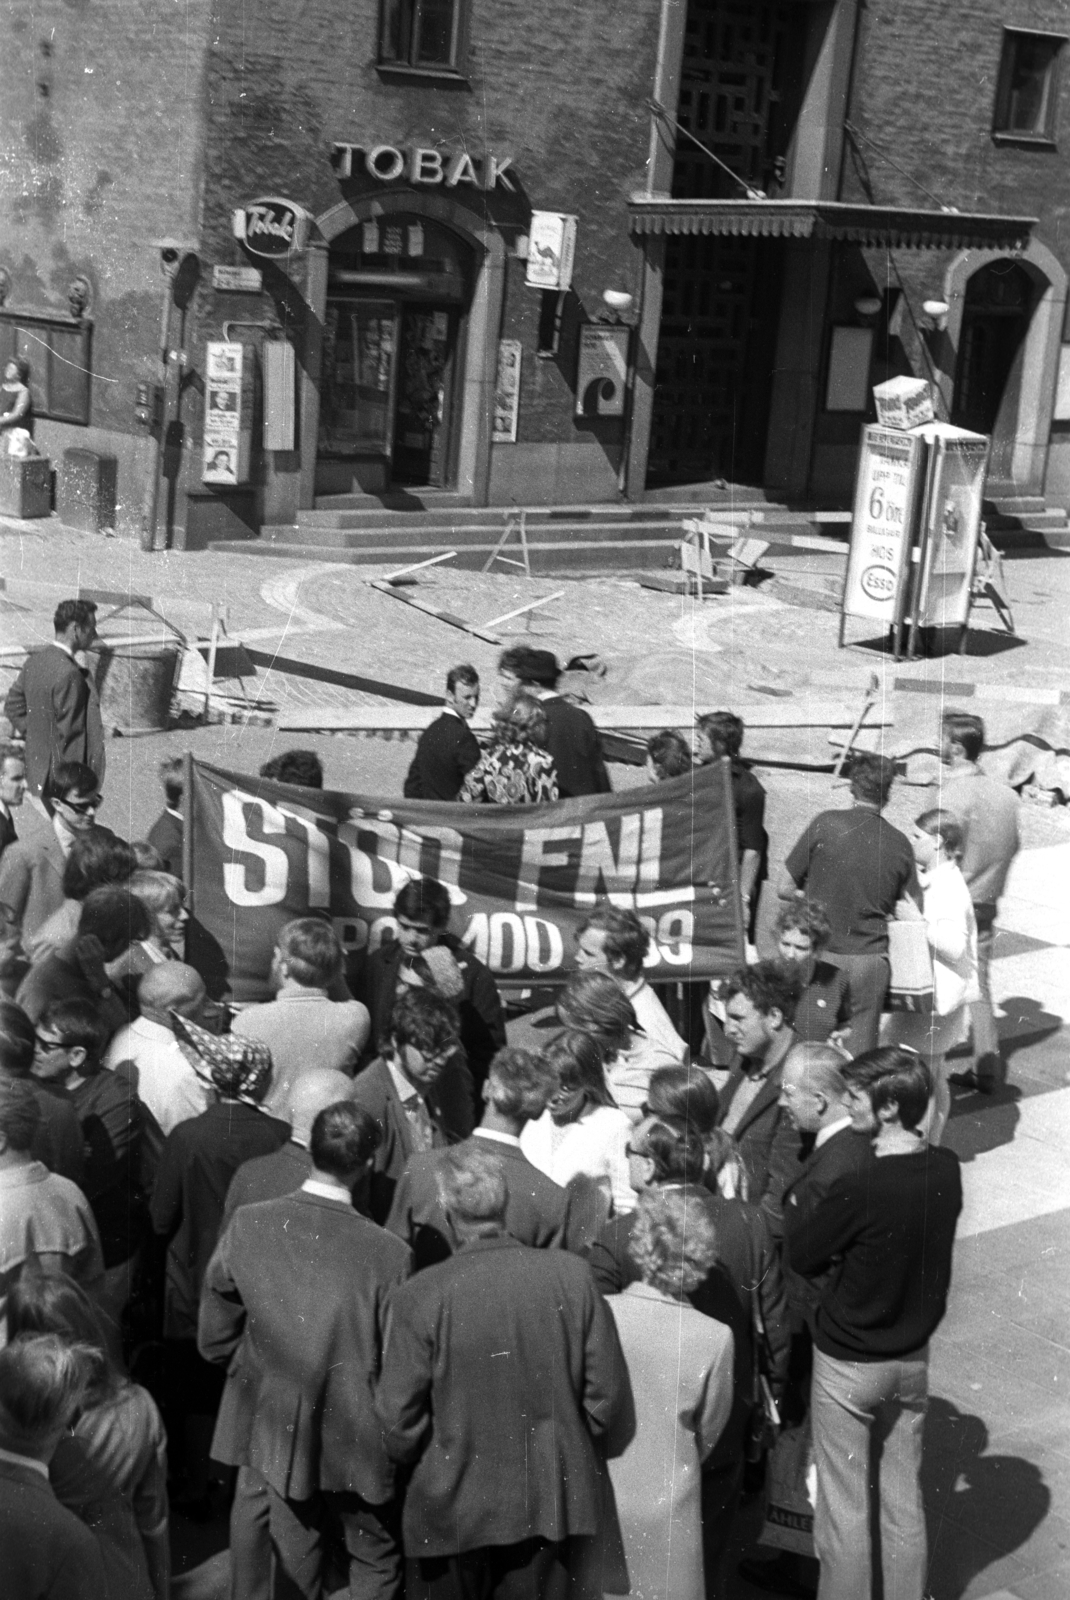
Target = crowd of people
(435,1299)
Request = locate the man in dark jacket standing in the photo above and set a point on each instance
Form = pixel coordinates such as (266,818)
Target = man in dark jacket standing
(298,1288)
(422,910)
(571,736)
(53,703)
(502,1373)
(447,750)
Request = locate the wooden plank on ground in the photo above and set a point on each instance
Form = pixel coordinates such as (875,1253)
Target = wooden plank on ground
(640,719)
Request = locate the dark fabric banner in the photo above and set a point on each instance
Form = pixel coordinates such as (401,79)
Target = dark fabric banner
(521,878)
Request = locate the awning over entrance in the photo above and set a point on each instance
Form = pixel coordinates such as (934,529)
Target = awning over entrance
(899,226)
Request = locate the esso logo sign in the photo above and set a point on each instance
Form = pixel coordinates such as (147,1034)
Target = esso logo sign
(271,227)
(878,583)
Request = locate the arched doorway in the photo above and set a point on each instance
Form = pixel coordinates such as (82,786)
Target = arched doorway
(998,308)
(399,289)
(411,284)
(1005,371)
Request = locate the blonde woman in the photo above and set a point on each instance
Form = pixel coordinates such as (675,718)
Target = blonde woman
(947,910)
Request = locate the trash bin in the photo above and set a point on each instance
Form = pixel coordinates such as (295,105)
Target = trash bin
(25,486)
(135,683)
(85,493)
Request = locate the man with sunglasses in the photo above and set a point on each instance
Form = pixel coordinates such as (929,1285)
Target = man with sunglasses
(31,869)
(53,703)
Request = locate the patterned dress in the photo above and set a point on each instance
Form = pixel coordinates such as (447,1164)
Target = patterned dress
(511,774)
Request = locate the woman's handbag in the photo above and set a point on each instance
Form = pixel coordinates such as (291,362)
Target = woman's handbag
(910,987)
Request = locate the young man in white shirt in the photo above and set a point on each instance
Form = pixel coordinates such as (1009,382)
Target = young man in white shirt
(613,940)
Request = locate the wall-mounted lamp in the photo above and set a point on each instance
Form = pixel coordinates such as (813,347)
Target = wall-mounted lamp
(935,315)
(868,305)
(619,302)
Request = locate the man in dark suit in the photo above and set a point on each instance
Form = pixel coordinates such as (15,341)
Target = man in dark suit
(53,703)
(744,1290)
(166,833)
(12,789)
(448,749)
(285,1169)
(297,1290)
(571,737)
(502,1373)
(538,1210)
(760,1009)
(418,1092)
(422,911)
(31,869)
(44,1548)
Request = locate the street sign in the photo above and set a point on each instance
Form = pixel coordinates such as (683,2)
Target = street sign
(237,280)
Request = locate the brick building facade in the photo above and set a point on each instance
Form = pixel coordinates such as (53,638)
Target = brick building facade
(764,178)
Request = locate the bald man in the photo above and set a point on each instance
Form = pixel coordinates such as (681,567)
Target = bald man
(285,1170)
(166,1084)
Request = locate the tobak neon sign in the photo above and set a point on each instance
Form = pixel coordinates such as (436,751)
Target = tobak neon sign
(389,163)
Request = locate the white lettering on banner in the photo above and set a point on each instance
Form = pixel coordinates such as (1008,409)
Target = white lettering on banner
(375,878)
(319,862)
(675,937)
(650,860)
(535,856)
(508,943)
(236,837)
(602,872)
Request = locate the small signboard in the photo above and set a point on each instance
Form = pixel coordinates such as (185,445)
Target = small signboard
(271,226)
(957,470)
(237,280)
(886,493)
(228,413)
(507,392)
(602,373)
(551,250)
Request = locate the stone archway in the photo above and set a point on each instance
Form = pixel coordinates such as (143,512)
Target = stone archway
(1020,452)
(483,322)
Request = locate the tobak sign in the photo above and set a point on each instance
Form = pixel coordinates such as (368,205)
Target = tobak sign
(271,227)
(521,878)
(424,164)
(882,524)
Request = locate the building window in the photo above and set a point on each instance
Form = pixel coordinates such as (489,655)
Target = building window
(422,35)
(58,350)
(1028,86)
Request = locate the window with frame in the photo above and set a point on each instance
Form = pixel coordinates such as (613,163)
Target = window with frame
(1028,87)
(422,35)
(58,351)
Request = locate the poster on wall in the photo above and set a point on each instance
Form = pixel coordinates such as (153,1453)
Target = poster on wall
(602,373)
(551,250)
(886,494)
(228,413)
(956,492)
(507,392)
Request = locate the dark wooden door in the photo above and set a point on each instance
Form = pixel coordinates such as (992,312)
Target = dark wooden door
(995,320)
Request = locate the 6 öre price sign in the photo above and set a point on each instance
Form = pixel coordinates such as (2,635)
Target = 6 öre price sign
(882,525)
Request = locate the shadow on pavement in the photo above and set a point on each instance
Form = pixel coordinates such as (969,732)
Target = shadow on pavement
(1024,1023)
(978,1508)
(982,1122)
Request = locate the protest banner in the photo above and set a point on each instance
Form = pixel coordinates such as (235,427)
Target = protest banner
(521,878)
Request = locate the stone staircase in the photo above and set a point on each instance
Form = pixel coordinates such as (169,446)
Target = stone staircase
(572,540)
(561,539)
